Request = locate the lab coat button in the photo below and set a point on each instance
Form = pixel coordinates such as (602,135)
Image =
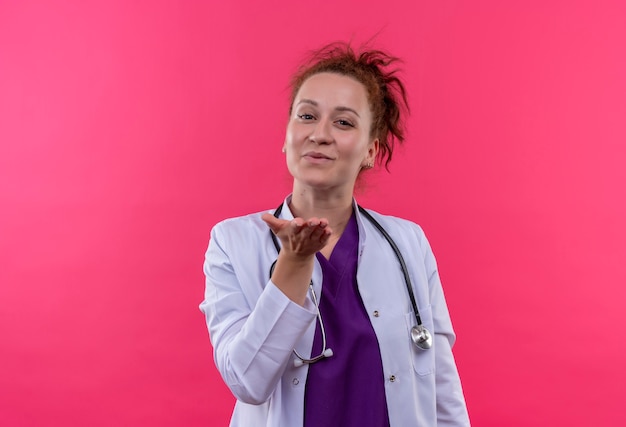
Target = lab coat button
(295,381)
(376,314)
(392,378)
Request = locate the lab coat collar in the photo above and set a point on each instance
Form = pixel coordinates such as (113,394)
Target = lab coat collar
(288,215)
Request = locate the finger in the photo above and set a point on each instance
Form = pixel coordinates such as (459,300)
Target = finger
(322,233)
(308,228)
(326,235)
(297,225)
(315,227)
(316,231)
(313,222)
(275,224)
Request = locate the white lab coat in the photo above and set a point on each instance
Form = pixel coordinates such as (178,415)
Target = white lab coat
(254,327)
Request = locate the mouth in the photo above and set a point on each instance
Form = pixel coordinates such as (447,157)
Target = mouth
(315,155)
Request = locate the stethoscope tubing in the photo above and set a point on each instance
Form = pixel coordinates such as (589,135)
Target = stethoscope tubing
(405,270)
(419,334)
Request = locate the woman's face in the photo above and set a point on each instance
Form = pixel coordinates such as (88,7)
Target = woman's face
(328,135)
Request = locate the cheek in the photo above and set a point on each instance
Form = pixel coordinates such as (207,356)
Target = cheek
(289,148)
(357,148)
(291,162)
(290,136)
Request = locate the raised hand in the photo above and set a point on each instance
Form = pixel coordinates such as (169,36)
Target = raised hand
(300,241)
(300,237)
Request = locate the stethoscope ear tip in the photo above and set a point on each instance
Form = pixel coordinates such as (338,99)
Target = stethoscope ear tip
(328,352)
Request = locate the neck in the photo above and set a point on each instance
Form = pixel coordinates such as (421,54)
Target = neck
(336,207)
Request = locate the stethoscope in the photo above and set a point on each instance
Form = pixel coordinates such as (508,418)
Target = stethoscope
(420,336)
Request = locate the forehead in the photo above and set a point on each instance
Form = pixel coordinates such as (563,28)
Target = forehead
(332,90)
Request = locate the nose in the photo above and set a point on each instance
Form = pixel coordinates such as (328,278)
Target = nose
(321,133)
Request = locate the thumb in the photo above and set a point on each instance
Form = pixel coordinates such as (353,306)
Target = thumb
(275,224)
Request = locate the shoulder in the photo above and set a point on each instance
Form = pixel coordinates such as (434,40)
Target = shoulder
(252,220)
(398,226)
(408,235)
(240,229)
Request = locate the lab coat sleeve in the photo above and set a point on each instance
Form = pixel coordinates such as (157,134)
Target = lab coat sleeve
(451,408)
(253,326)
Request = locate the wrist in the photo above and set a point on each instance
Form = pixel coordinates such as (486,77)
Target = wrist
(295,259)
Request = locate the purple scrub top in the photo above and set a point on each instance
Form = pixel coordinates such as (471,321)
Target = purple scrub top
(348,388)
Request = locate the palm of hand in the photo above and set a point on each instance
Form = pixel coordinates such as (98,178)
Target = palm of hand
(299,237)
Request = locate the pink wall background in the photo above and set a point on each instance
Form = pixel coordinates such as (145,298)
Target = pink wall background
(127,129)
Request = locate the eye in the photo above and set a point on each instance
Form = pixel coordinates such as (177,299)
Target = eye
(345,123)
(305,116)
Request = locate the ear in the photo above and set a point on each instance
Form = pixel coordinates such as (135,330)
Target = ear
(372,151)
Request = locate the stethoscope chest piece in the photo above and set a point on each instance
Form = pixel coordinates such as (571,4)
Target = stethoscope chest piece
(421,337)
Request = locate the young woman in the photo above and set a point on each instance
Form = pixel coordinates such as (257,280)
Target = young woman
(322,313)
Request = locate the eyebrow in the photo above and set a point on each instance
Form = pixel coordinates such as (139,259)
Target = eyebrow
(315,104)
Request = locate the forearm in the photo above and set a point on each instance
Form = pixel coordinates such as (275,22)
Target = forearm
(292,275)
(251,354)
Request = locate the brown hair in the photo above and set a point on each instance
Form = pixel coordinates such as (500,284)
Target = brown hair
(385,91)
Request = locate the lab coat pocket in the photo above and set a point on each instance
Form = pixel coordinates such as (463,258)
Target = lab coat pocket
(423,360)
